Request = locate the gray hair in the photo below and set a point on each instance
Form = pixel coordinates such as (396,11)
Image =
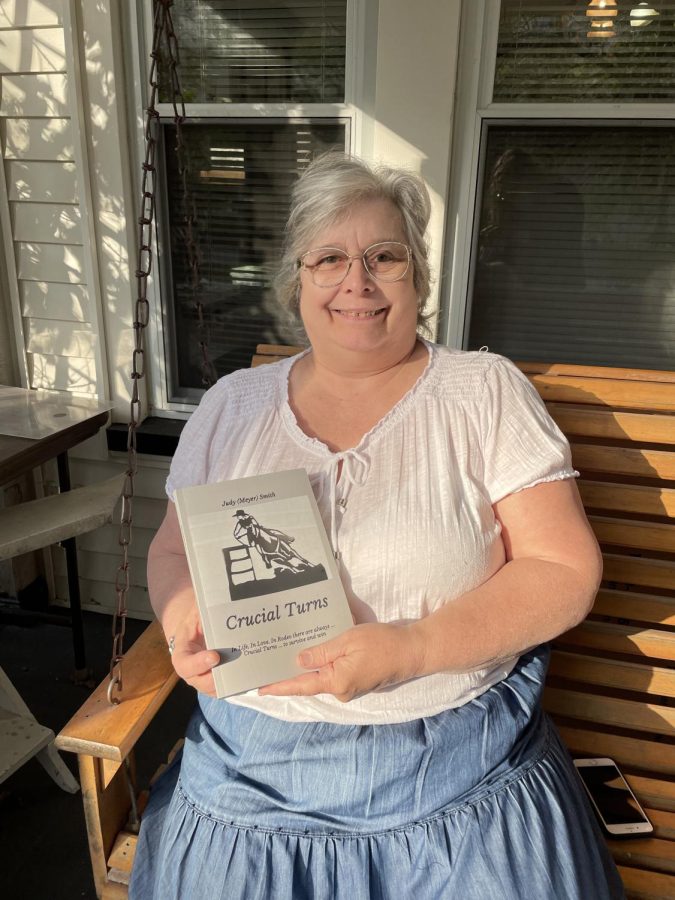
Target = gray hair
(326,193)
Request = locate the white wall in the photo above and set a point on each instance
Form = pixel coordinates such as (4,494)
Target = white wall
(415,85)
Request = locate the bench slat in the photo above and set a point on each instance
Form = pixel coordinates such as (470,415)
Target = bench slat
(650,853)
(644,463)
(629,752)
(643,885)
(633,533)
(40,523)
(633,498)
(606,392)
(635,605)
(123,852)
(661,376)
(650,717)
(613,673)
(650,573)
(269,353)
(629,639)
(664,824)
(657,794)
(584,421)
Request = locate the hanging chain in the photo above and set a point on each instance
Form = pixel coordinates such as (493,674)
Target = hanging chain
(163,33)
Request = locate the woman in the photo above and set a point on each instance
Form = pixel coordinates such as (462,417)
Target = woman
(412,758)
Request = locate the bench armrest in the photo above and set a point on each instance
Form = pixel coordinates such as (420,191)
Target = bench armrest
(110,732)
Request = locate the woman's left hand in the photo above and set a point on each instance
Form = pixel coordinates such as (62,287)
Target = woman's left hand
(362,659)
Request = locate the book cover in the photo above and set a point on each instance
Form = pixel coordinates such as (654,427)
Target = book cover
(264,575)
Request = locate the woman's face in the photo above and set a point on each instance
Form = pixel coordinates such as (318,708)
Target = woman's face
(362,314)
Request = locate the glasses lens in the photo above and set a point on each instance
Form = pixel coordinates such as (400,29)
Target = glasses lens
(387,261)
(327,265)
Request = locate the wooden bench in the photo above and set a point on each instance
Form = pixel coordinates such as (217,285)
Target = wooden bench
(612,679)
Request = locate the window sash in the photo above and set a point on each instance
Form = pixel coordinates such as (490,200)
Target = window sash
(556,274)
(282,51)
(552,51)
(242,207)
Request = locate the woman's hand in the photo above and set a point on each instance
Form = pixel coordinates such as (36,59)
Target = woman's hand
(190,658)
(362,659)
(173,600)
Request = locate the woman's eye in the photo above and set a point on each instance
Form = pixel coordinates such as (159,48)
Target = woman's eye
(381,257)
(329,260)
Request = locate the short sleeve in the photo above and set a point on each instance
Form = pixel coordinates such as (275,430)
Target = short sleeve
(192,459)
(522,445)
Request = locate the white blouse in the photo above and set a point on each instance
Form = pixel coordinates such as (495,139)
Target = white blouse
(411,516)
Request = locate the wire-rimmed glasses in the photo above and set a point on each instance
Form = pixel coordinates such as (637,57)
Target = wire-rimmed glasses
(385,261)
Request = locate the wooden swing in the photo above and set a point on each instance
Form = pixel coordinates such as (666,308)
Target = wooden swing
(611,685)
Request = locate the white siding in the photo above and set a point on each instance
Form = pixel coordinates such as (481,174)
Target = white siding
(42,181)
(30,13)
(32,50)
(34,95)
(53,281)
(44,300)
(62,373)
(55,222)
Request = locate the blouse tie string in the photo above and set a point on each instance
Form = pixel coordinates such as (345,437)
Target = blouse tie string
(347,468)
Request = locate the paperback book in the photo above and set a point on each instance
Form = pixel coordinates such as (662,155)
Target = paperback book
(264,574)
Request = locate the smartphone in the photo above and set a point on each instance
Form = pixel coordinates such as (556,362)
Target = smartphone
(614,802)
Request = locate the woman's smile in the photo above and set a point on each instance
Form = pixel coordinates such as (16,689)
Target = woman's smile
(359,315)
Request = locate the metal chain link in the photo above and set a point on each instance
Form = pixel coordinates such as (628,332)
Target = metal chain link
(163,33)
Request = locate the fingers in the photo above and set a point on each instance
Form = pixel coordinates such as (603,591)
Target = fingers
(194,666)
(306,685)
(322,654)
(204,684)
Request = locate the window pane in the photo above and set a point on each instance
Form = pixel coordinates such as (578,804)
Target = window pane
(240,177)
(566,52)
(576,248)
(252,52)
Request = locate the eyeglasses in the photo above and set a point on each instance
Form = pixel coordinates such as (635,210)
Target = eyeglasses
(385,261)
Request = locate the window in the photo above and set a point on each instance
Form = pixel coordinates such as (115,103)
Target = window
(571,256)
(265,90)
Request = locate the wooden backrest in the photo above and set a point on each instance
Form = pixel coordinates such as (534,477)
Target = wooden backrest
(612,682)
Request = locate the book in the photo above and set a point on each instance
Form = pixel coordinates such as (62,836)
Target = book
(264,575)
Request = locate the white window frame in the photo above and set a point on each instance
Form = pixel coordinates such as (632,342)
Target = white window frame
(474,112)
(361,37)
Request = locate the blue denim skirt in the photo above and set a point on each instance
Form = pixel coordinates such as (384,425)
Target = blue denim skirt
(477,802)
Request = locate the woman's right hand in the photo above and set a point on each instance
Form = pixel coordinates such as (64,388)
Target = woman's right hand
(173,600)
(190,658)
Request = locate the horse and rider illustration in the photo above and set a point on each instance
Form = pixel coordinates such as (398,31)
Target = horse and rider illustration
(290,569)
(273,546)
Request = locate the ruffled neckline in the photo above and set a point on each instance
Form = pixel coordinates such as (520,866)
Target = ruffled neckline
(398,410)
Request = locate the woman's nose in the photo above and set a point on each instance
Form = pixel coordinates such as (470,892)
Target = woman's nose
(358,277)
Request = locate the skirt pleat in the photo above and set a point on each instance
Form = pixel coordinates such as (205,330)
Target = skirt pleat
(477,803)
